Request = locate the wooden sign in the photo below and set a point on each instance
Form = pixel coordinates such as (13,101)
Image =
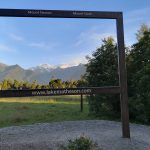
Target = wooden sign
(60,91)
(121,89)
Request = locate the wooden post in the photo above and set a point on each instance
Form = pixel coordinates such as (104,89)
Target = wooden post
(81,103)
(123,79)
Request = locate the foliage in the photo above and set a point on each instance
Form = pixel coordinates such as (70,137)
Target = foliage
(81,143)
(140,32)
(138,64)
(102,71)
(53,83)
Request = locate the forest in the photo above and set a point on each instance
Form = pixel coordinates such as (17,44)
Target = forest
(8,84)
(138,76)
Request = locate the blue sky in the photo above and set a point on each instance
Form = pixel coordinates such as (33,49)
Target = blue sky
(31,41)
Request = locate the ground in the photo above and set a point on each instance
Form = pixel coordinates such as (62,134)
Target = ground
(62,115)
(50,136)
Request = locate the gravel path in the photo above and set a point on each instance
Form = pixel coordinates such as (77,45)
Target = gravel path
(47,136)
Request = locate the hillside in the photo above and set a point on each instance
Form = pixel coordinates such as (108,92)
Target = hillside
(41,73)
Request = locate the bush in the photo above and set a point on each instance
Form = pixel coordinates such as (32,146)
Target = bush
(81,143)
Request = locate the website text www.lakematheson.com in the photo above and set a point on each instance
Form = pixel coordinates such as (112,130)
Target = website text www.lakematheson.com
(62,92)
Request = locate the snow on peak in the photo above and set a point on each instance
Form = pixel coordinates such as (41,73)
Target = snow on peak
(63,66)
(43,67)
(46,66)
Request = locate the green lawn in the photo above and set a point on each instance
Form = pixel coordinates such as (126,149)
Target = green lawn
(20,111)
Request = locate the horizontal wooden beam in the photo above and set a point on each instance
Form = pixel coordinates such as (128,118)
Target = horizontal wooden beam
(60,91)
(58,14)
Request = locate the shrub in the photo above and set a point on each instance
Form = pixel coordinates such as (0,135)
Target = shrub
(81,143)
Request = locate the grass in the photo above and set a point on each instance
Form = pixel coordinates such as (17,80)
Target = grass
(22,111)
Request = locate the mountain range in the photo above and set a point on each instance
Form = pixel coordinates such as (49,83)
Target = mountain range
(42,73)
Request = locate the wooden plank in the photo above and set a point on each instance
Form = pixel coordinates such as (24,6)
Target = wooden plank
(58,14)
(60,91)
(123,79)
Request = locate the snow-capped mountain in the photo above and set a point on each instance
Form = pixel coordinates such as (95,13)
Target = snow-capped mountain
(49,68)
(43,67)
(42,73)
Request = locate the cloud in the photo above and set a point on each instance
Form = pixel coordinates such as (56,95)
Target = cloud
(74,60)
(16,37)
(79,60)
(87,42)
(5,48)
(43,45)
(92,39)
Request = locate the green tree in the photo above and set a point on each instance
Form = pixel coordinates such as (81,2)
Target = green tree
(0,86)
(34,85)
(101,71)
(56,83)
(59,83)
(16,84)
(140,32)
(82,82)
(4,85)
(9,84)
(67,84)
(38,86)
(26,85)
(138,64)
